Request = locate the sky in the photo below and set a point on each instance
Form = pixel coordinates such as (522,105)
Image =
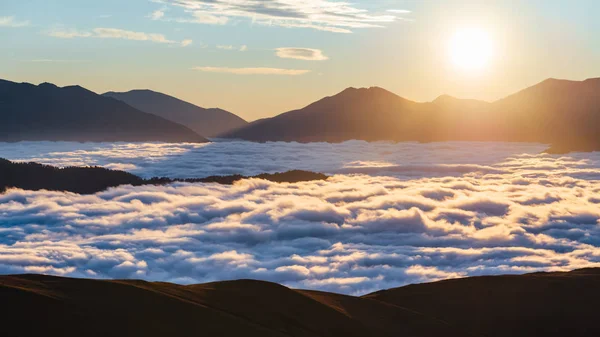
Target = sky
(259,58)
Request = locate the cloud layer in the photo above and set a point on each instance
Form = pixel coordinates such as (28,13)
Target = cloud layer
(353,234)
(407,160)
(332,16)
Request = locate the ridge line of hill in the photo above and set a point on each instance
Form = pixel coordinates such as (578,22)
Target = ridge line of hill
(545,304)
(565,114)
(88,180)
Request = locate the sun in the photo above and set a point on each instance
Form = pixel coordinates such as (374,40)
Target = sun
(471,49)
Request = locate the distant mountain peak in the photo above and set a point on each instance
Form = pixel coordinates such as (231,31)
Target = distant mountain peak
(132,91)
(208,122)
(558,81)
(349,89)
(73,113)
(365,91)
(444,98)
(48,85)
(76,86)
(447,100)
(145,91)
(372,89)
(542,113)
(593,79)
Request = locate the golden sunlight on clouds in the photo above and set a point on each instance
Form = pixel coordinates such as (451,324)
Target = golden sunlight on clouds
(434,212)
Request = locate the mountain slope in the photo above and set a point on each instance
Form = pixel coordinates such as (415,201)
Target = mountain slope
(207,122)
(561,112)
(539,304)
(374,114)
(47,112)
(531,305)
(368,114)
(69,307)
(565,114)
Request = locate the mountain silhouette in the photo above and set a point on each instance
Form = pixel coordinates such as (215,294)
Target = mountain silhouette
(561,112)
(538,304)
(47,112)
(367,114)
(532,305)
(207,122)
(565,114)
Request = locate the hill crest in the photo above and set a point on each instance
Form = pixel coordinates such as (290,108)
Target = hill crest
(208,122)
(74,113)
(565,114)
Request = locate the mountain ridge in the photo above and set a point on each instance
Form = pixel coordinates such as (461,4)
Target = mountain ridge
(74,113)
(529,305)
(88,180)
(563,113)
(207,122)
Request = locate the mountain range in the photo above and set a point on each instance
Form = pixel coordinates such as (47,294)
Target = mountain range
(562,113)
(531,305)
(206,122)
(72,113)
(565,114)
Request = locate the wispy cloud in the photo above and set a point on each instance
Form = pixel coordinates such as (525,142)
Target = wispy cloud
(157,14)
(195,17)
(114,33)
(399,11)
(10,21)
(67,33)
(306,54)
(252,71)
(55,61)
(325,15)
(232,47)
(207,18)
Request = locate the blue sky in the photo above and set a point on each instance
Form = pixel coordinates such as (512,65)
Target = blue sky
(259,58)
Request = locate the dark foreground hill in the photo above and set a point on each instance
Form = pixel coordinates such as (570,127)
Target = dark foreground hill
(563,113)
(543,304)
(207,122)
(538,304)
(52,306)
(87,180)
(47,112)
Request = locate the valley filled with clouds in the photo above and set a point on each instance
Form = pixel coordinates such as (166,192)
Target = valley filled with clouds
(192,160)
(391,214)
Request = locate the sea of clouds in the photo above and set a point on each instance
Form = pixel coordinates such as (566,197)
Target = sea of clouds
(391,214)
(223,158)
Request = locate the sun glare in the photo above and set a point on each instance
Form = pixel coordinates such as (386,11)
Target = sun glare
(470,49)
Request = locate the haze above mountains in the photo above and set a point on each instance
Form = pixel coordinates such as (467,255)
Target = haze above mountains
(565,114)
(539,304)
